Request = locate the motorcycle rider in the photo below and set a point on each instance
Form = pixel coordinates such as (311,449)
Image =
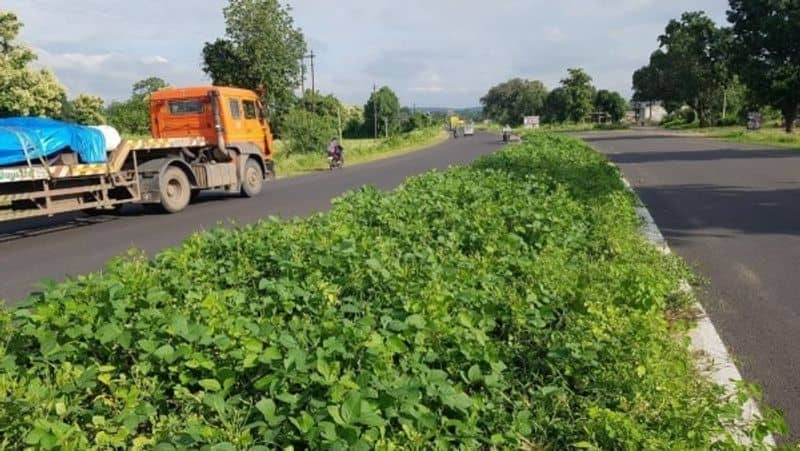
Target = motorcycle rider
(335,150)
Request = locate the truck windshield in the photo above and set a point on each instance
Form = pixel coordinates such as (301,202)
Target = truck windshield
(177,107)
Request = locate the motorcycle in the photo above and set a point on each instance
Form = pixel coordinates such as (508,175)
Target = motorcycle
(336,160)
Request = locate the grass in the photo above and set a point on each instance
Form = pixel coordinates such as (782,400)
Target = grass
(774,136)
(358,151)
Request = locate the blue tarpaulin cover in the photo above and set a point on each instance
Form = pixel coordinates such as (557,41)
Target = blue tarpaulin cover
(45,138)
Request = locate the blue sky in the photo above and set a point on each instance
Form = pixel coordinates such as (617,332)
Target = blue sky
(443,53)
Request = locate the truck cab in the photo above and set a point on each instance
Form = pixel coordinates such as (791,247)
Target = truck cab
(226,117)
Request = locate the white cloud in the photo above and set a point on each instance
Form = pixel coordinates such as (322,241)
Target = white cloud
(111,75)
(154,60)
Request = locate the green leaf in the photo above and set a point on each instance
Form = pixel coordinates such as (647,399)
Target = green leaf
(328,431)
(180,325)
(210,385)
(166,353)
(268,409)
(304,423)
(351,409)
(458,401)
(224,446)
(336,415)
(417,321)
(475,374)
(270,354)
(584,445)
(108,333)
(288,398)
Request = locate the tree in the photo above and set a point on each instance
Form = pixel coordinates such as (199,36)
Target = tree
(24,91)
(415,121)
(509,102)
(306,132)
(612,103)
(655,82)
(767,52)
(579,94)
(322,105)
(133,115)
(262,49)
(385,104)
(85,110)
(556,106)
(143,88)
(695,62)
(353,122)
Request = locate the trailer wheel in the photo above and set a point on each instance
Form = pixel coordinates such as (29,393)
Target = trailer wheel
(174,189)
(253,180)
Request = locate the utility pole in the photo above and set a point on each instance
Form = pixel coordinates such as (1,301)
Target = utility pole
(310,56)
(339,117)
(724,104)
(375,111)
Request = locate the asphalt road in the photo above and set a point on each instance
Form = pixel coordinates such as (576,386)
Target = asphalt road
(70,245)
(733,212)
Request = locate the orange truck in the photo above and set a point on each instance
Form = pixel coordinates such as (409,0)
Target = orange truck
(204,138)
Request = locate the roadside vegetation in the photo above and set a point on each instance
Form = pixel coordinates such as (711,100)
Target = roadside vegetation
(359,150)
(508,304)
(575,105)
(773,136)
(712,75)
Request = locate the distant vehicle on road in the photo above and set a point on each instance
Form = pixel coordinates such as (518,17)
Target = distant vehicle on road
(469,129)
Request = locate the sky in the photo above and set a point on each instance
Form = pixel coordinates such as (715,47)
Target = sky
(444,53)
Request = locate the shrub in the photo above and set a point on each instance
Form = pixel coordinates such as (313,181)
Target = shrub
(511,304)
(305,132)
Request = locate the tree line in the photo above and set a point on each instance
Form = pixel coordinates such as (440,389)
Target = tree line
(722,72)
(575,100)
(261,50)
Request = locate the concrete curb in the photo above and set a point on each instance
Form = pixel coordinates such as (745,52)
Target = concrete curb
(713,359)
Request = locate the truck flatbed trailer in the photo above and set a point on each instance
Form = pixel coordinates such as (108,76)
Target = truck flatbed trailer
(41,189)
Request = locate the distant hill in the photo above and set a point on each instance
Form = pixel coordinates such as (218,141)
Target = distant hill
(473,110)
(474,113)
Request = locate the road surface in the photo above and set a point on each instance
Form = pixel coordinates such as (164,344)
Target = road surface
(54,248)
(733,212)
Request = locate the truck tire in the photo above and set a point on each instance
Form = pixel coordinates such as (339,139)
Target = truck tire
(175,190)
(253,179)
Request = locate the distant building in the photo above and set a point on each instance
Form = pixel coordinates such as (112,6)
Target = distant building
(649,112)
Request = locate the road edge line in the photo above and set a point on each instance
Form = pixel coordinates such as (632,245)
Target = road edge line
(711,355)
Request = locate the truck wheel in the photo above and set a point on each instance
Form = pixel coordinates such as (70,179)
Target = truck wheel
(253,180)
(175,190)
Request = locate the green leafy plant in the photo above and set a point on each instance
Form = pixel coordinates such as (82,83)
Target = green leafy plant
(509,304)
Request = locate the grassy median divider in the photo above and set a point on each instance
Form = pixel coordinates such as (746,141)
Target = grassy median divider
(510,304)
(359,151)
